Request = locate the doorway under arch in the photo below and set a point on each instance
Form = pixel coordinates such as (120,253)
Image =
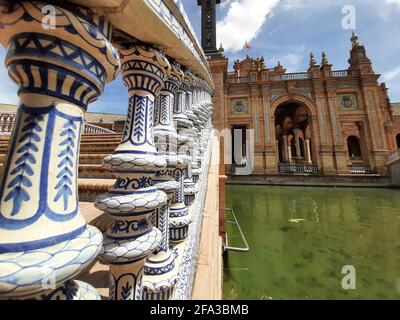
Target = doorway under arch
(398,141)
(354,148)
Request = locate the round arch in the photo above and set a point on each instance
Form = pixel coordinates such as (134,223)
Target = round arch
(303,119)
(295,98)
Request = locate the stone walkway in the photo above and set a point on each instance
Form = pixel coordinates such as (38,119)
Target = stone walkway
(208,279)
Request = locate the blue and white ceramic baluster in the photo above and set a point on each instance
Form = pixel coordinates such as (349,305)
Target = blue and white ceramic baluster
(179,214)
(134,197)
(196,123)
(199,124)
(160,271)
(195,170)
(44,240)
(188,132)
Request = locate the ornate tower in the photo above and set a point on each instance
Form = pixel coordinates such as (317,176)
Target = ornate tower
(208,27)
(359,61)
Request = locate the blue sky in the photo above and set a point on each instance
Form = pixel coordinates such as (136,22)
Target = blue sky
(285,31)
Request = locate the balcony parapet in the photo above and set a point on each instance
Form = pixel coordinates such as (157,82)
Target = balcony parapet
(297,76)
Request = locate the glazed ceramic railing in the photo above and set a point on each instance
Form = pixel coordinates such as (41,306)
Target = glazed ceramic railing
(62,71)
(394,157)
(190,249)
(7,121)
(161,22)
(91,129)
(360,169)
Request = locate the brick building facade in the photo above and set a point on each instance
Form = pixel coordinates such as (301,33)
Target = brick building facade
(319,121)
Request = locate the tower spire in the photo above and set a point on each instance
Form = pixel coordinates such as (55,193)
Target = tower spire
(209,27)
(324,58)
(313,62)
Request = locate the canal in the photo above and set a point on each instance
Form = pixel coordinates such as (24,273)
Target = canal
(300,238)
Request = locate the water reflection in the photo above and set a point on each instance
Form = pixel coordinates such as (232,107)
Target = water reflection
(300,239)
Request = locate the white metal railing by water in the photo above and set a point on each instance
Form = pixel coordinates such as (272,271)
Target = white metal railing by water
(394,157)
(246,247)
(91,129)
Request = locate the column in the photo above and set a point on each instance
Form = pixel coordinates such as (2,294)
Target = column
(308,151)
(190,83)
(289,152)
(179,214)
(44,240)
(297,143)
(134,197)
(160,273)
(196,170)
(285,148)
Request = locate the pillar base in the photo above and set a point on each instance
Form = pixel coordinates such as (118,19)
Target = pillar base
(189,192)
(158,288)
(178,228)
(160,276)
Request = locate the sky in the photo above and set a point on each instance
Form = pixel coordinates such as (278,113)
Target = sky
(286,31)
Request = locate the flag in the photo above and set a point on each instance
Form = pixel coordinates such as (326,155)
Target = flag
(247,46)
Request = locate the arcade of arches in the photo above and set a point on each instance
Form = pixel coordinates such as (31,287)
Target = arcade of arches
(293,134)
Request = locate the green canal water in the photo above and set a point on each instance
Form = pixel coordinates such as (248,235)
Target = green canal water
(304,260)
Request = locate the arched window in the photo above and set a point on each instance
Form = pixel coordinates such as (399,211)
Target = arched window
(353,146)
(398,141)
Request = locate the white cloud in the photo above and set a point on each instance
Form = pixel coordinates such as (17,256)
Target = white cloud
(243,22)
(393,2)
(291,61)
(225,3)
(392,74)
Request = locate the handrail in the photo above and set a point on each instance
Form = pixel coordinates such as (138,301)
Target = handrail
(394,157)
(246,247)
(92,129)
